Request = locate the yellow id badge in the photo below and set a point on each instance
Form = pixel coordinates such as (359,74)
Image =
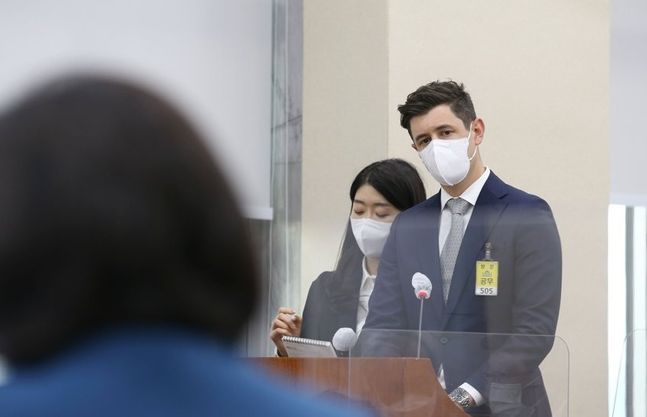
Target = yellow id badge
(487,278)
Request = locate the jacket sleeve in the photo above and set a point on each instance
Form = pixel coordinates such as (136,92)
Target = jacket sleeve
(313,311)
(386,308)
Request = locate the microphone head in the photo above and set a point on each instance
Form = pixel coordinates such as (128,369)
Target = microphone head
(421,286)
(344,339)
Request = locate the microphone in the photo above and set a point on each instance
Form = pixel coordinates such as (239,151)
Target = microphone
(421,286)
(344,339)
(422,289)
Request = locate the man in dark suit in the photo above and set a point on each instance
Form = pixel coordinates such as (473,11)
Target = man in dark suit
(493,255)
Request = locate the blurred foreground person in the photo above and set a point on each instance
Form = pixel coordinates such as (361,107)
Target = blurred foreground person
(125,269)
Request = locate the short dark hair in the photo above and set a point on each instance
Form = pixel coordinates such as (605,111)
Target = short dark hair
(397,180)
(434,94)
(113,212)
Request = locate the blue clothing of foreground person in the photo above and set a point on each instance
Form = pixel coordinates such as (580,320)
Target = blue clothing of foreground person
(126,269)
(154,372)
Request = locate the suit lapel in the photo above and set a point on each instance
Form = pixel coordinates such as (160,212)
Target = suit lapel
(487,211)
(426,238)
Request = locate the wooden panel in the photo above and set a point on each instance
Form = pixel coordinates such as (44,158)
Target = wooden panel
(398,387)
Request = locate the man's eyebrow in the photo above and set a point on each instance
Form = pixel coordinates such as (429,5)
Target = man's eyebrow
(435,129)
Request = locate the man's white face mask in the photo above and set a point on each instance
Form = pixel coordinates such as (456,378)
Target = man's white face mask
(446,159)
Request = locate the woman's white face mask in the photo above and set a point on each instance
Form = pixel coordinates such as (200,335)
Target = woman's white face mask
(446,159)
(370,235)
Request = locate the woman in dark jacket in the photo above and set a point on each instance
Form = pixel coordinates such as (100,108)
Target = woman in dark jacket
(339,298)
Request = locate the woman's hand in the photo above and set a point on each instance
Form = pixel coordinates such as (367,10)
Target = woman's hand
(286,323)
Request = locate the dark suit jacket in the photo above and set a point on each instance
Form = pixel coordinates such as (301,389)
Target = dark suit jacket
(330,306)
(526,244)
(161,372)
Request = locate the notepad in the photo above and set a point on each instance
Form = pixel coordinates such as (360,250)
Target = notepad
(298,347)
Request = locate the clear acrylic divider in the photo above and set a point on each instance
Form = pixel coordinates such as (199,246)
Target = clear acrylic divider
(629,391)
(410,373)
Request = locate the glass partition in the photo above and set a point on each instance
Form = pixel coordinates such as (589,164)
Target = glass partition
(407,373)
(631,382)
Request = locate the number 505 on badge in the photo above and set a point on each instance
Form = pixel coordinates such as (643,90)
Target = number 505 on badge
(487,278)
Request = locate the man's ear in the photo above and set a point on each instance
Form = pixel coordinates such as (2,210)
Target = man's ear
(479,130)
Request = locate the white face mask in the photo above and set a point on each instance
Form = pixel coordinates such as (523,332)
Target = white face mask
(446,159)
(370,235)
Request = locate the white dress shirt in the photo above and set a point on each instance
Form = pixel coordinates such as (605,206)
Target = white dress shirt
(365,290)
(470,195)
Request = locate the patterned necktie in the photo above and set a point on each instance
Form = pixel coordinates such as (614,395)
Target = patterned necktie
(448,256)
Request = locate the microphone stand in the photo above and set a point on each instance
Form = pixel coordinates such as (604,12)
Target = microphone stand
(422,299)
(350,367)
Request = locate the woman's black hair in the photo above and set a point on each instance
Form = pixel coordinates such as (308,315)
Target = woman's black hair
(113,212)
(399,183)
(397,180)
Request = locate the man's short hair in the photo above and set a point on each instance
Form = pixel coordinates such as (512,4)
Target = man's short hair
(434,94)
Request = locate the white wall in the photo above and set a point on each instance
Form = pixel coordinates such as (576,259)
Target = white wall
(213,58)
(345,90)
